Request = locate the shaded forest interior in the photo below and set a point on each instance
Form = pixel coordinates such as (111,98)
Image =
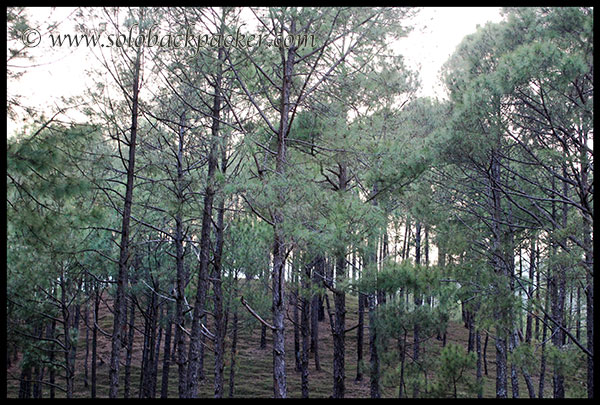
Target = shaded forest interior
(294,219)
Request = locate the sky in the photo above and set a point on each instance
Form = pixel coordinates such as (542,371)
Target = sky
(58,72)
(437,33)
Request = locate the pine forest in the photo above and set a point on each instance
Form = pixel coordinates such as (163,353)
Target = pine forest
(243,202)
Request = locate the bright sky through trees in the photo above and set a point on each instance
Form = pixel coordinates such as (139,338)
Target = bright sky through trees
(61,72)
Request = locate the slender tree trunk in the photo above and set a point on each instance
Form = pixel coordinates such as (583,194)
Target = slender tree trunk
(196,352)
(86,359)
(220,322)
(234,333)
(543,360)
(150,349)
(180,305)
(417,302)
(144,366)
(529,324)
(119,303)
(528,382)
(485,345)
(479,375)
(38,370)
(279,246)
(67,321)
(514,378)
(294,302)
(25,383)
(52,376)
(94,340)
(305,326)
(402,351)
(339,296)
(557,299)
(371,261)
(502,275)
(360,333)
(501,367)
(537,290)
(130,334)
(156,356)
(587,228)
(164,389)
(314,314)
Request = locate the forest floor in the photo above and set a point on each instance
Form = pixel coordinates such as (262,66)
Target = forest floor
(253,377)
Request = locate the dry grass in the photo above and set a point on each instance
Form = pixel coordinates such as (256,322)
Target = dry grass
(254,365)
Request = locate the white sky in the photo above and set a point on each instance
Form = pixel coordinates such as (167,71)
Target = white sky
(59,72)
(436,34)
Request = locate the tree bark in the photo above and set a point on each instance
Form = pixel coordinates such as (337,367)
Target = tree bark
(119,302)
(360,333)
(220,322)
(127,382)
(339,296)
(417,301)
(164,389)
(180,306)
(314,314)
(196,352)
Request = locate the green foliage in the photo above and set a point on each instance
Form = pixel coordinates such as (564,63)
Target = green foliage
(452,372)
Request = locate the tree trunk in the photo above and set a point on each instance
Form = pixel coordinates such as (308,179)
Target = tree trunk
(94,339)
(220,322)
(164,389)
(417,302)
(52,376)
(371,261)
(314,327)
(514,379)
(360,333)
(529,324)
(130,334)
(543,360)
(87,344)
(156,357)
(557,291)
(119,303)
(234,333)
(294,302)
(485,345)
(305,326)
(339,296)
(196,352)
(479,375)
(279,246)
(25,382)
